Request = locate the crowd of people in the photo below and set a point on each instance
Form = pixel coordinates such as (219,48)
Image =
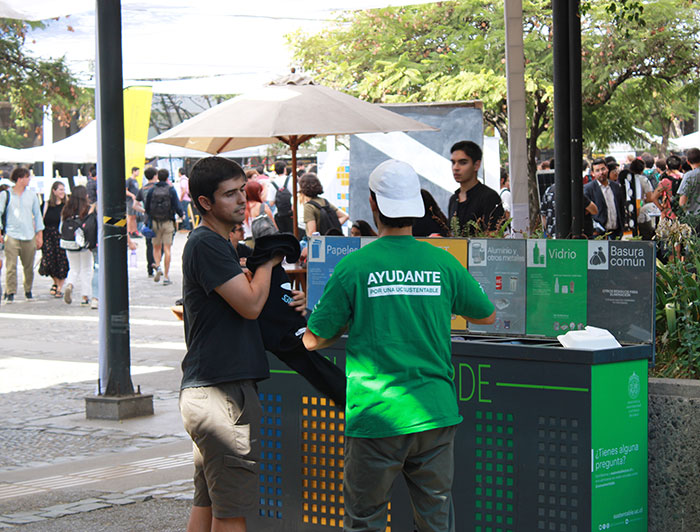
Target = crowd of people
(64,227)
(632,197)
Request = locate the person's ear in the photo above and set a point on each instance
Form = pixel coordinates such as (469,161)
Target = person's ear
(205,203)
(477,165)
(373,204)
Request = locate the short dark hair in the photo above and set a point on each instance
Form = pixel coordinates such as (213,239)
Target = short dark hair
(504,176)
(648,159)
(661,164)
(163,174)
(134,168)
(310,186)
(149,173)
(92,171)
(280,167)
(391,222)
(18,173)
(599,160)
(181,171)
(693,155)
(673,162)
(472,149)
(208,173)
(637,166)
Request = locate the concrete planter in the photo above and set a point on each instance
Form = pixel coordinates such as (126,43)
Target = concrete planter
(674,455)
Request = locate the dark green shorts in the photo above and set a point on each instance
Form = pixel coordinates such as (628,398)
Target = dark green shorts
(426,460)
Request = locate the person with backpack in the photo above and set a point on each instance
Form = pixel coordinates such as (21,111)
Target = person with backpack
(667,190)
(319,214)
(258,216)
(74,219)
(161,206)
(151,176)
(283,204)
(21,231)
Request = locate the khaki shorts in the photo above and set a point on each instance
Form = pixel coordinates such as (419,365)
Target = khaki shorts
(224,424)
(164,232)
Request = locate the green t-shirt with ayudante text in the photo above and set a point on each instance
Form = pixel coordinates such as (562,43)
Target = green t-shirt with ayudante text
(397,296)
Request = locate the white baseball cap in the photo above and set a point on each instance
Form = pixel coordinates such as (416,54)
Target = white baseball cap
(397,188)
(6,182)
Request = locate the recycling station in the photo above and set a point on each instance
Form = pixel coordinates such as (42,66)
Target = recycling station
(552,438)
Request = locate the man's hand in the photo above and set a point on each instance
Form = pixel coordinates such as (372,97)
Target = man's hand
(298,302)
(39,240)
(277,259)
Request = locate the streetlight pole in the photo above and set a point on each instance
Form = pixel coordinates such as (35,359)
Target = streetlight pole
(118,400)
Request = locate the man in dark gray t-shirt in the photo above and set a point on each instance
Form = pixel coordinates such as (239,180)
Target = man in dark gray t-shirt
(225,355)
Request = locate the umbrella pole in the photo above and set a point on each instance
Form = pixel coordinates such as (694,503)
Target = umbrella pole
(294,141)
(293,145)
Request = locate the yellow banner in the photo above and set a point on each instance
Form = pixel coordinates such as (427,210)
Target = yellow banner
(137,115)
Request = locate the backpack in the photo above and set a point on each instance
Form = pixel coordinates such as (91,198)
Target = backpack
(283,198)
(673,198)
(261,225)
(89,228)
(4,211)
(72,234)
(160,208)
(328,219)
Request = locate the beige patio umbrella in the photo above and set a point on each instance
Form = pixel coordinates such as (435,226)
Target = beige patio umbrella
(293,110)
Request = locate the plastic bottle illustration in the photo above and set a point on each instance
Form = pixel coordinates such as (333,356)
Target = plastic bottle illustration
(316,248)
(556,285)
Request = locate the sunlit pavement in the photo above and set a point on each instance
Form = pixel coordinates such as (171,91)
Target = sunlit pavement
(59,471)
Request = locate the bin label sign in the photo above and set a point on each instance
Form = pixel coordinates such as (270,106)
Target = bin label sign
(620,275)
(499,267)
(325,252)
(619,446)
(556,286)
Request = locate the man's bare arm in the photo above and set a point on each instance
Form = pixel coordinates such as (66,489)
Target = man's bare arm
(314,343)
(248,298)
(482,321)
(683,200)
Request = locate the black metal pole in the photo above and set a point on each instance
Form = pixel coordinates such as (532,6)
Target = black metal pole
(114,300)
(562,152)
(575,116)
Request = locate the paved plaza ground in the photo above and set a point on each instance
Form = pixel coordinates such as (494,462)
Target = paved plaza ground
(62,472)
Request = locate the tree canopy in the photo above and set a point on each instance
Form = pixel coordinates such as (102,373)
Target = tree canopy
(640,64)
(28,83)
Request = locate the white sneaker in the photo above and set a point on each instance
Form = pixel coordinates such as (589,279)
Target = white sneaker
(157,275)
(93,303)
(67,293)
